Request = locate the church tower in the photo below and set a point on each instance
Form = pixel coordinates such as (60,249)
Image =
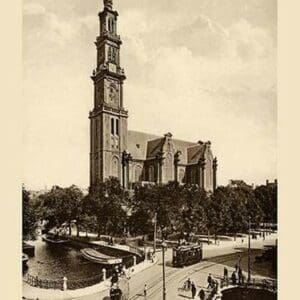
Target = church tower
(108,119)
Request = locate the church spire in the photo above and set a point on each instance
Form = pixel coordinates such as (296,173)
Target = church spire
(108,4)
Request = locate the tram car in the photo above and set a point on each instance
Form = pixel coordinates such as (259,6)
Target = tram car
(186,255)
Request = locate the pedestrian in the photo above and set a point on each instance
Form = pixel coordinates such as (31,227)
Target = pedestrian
(113,293)
(233,278)
(145,290)
(201,294)
(240,274)
(120,269)
(225,273)
(209,280)
(114,278)
(188,284)
(193,289)
(216,285)
(236,267)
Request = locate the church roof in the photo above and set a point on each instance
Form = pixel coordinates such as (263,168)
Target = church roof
(195,153)
(154,147)
(144,145)
(182,146)
(137,143)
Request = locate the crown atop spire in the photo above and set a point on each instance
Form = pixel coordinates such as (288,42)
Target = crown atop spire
(108,4)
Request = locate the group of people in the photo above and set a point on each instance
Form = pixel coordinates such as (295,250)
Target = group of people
(237,276)
(213,284)
(115,291)
(191,286)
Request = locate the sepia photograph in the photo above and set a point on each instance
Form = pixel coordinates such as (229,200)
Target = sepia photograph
(149,147)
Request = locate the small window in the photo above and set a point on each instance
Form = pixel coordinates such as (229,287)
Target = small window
(117,127)
(112,126)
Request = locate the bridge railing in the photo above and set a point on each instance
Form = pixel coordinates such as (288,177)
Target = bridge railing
(35,281)
(270,284)
(62,284)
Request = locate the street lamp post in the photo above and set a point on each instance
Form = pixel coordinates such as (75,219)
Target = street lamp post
(164,246)
(249,250)
(154,235)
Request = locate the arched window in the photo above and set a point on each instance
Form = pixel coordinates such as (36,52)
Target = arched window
(117,126)
(193,176)
(112,127)
(138,173)
(109,54)
(109,21)
(151,174)
(112,25)
(181,175)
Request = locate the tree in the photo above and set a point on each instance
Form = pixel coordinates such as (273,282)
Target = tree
(29,216)
(107,203)
(266,196)
(178,208)
(61,205)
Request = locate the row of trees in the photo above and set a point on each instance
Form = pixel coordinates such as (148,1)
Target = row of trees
(108,209)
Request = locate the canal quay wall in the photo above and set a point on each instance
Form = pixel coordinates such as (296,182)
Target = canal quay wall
(28,249)
(91,292)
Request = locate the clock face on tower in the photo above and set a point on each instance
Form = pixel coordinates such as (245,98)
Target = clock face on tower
(113,94)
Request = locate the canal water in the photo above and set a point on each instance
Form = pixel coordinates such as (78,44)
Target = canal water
(52,262)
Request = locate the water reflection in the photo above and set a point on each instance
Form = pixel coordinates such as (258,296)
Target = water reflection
(55,261)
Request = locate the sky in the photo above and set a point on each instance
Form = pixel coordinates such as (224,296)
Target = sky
(200,69)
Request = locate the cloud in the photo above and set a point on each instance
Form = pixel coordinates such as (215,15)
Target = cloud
(33,9)
(214,73)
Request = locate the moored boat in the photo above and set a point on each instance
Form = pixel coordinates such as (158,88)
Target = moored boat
(24,259)
(100,258)
(55,239)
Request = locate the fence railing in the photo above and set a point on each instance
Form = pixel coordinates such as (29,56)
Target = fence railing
(270,284)
(35,281)
(73,284)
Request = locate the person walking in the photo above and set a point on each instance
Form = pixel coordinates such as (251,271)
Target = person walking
(240,275)
(216,285)
(225,273)
(115,292)
(201,294)
(233,278)
(236,267)
(114,278)
(209,281)
(193,289)
(188,284)
(145,290)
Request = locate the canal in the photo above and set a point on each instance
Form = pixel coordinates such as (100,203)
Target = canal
(52,262)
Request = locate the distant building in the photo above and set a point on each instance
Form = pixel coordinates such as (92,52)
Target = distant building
(131,156)
(268,183)
(239,183)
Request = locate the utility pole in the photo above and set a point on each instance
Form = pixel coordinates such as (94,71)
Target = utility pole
(164,245)
(249,250)
(154,235)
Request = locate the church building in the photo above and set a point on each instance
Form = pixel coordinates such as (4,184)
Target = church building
(131,156)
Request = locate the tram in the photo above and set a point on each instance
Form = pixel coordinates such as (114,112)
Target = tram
(186,255)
